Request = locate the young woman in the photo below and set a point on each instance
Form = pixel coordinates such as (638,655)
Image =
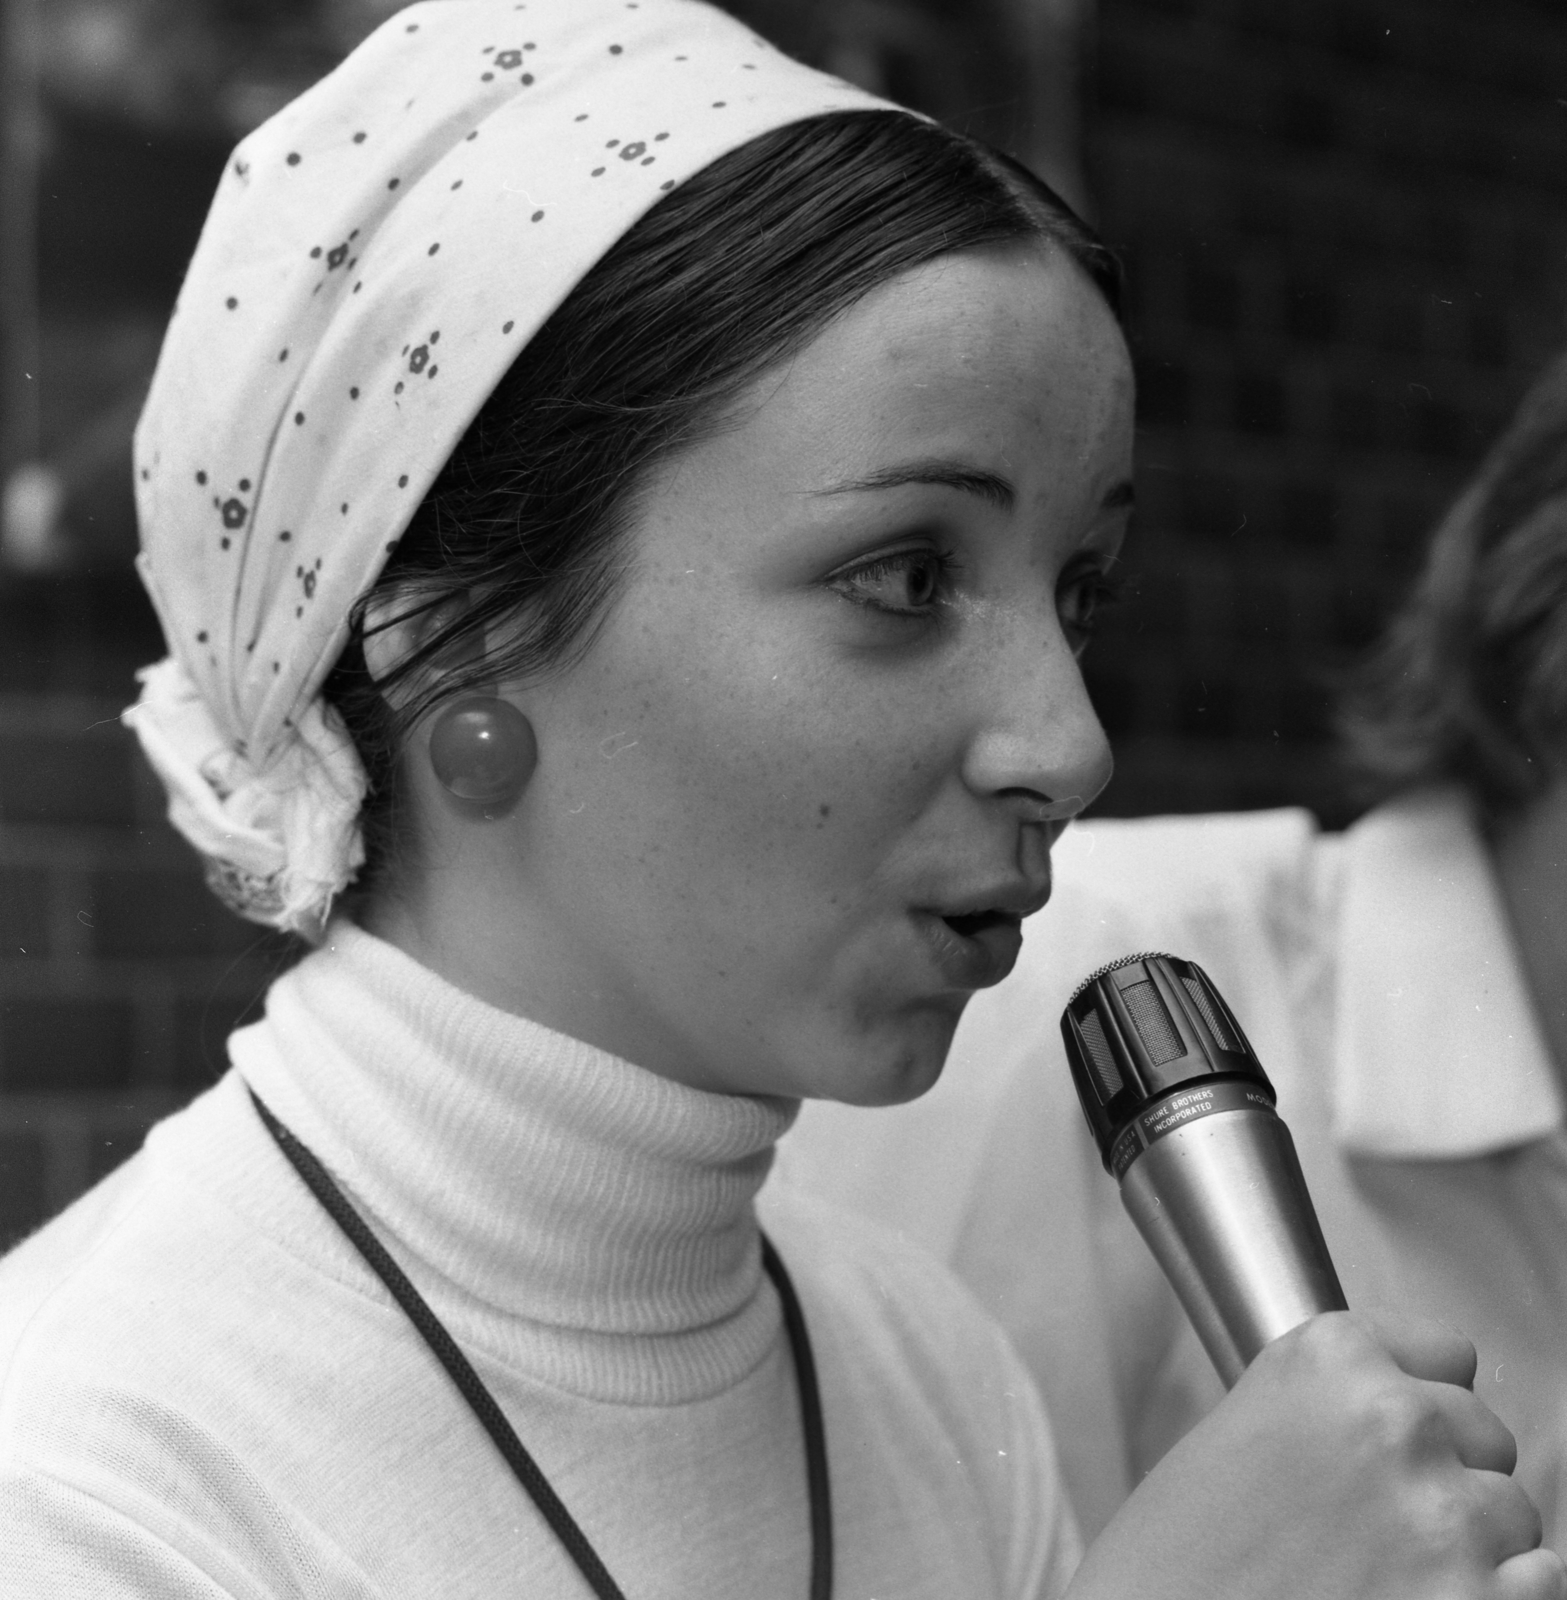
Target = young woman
(626,510)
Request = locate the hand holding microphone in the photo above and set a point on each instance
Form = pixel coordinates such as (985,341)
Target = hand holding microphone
(1351,1461)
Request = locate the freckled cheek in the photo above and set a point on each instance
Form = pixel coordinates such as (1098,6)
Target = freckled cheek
(823,782)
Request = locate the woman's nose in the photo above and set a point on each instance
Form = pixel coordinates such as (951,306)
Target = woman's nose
(1039,744)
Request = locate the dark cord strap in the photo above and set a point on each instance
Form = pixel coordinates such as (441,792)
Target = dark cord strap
(468,1382)
(812,1426)
(482,1403)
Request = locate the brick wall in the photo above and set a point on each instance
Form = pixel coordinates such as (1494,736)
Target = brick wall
(120,976)
(1346,240)
(1345,228)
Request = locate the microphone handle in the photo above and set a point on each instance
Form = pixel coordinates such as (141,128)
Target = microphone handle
(1215,1189)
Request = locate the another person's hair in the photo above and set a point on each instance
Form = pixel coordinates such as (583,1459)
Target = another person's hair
(1469,684)
(735,269)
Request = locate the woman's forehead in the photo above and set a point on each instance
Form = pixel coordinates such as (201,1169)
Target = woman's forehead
(980,356)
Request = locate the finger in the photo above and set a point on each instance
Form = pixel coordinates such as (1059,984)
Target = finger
(1504,1517)
(1534,1575)
(1422,1347)
(1470,1427)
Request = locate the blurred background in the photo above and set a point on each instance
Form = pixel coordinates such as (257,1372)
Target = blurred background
(1344,224)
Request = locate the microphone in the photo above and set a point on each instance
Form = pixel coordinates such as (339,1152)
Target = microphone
(1184,1118)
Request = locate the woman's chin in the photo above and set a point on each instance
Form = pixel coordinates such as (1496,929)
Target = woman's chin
(898,1062)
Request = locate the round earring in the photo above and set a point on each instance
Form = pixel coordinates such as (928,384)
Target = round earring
(482,750)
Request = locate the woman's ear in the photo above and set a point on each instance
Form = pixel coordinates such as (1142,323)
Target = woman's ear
(479,747)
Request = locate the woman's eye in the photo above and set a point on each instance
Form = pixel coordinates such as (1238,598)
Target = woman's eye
(908,584)
(1081,596)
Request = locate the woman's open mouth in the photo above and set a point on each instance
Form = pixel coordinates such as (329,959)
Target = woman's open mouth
(973,949)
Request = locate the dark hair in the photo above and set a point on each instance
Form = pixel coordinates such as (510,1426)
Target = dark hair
(1470,681)
(730,272)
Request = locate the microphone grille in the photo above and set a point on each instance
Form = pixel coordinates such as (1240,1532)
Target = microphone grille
(1114,966)
(1100,1056)
(1152,1022)
(1223,1034)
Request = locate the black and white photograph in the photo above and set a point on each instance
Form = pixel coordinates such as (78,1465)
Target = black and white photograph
(783,800)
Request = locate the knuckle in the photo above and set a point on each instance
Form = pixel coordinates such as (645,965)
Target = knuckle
(1444,1520)
(1331,1349)
(1334,1334)
(1292,1360)
(1399,1419)
(1485,1514)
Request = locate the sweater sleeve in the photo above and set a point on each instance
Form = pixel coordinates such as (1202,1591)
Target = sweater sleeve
(58,1542)
(106,1492)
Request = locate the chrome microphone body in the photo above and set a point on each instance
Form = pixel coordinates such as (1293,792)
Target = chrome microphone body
(1184,1118)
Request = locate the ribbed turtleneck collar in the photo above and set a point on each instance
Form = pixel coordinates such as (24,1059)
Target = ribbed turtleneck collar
(579,1216)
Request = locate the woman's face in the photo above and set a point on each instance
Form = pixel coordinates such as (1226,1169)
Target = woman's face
(794,799)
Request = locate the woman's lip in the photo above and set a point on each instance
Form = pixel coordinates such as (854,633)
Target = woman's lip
(977,959)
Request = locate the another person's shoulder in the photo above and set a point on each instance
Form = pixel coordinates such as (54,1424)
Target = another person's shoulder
(906,1351)
(1229,888)
(1178,858)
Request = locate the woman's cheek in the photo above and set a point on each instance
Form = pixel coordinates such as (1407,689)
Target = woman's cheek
(824,769)
(763,755)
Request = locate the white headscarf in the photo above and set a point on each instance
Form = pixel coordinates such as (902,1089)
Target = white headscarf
(376,257)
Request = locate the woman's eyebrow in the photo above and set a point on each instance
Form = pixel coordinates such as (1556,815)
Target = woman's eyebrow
(989,486)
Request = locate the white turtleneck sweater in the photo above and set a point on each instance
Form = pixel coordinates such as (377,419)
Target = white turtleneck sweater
(205,1392)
